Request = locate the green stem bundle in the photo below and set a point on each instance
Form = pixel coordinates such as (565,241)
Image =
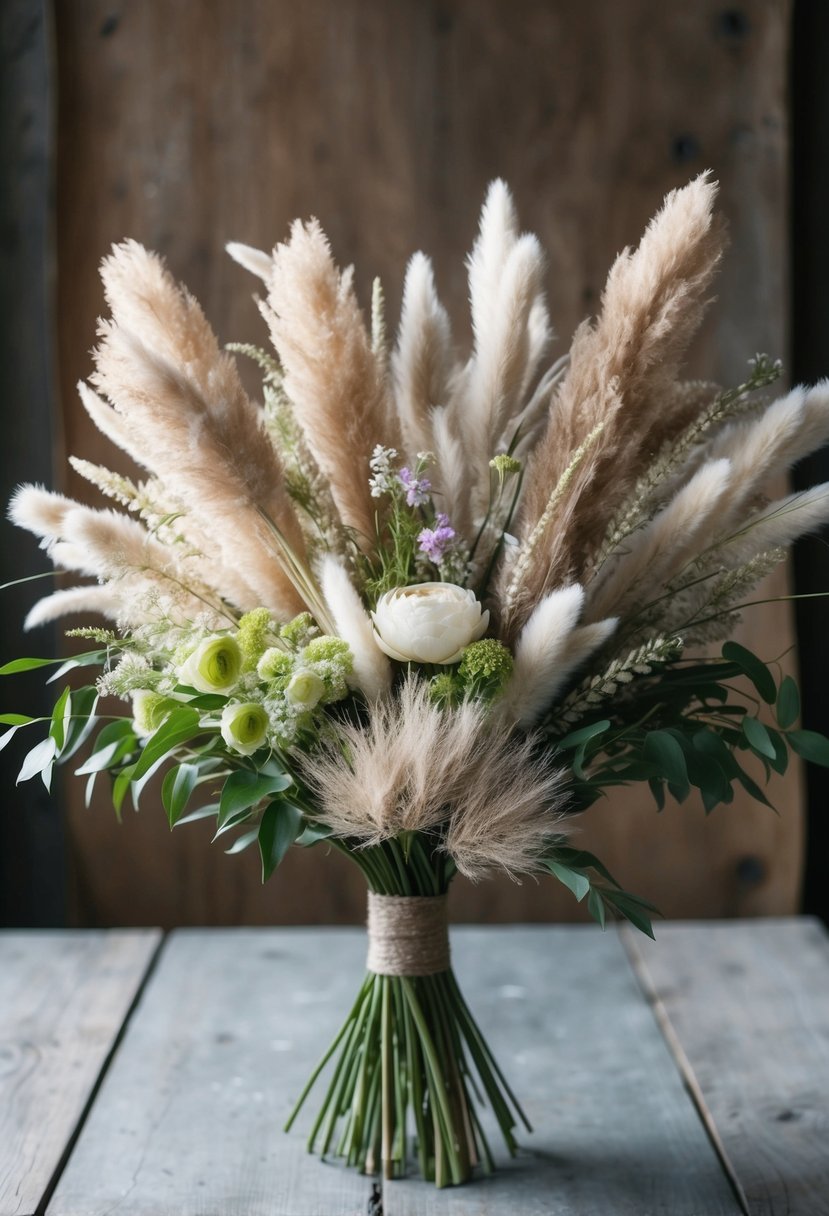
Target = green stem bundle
(410,1064)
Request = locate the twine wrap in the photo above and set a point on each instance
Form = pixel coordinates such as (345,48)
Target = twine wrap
(407,934)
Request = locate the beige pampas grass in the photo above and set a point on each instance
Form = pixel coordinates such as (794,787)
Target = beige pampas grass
(179,401)
(421,362)
(372,669)
(620,370)
(659,551)
(338,392)
(415,766)
(97,600)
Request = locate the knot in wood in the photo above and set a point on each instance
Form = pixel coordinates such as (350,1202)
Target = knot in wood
(407,934)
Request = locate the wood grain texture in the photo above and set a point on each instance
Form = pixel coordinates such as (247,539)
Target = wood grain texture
(614,1128)
(748,1011)
(185,125)
(189,1115)
(32,867)
(63,1000)
(189,1119)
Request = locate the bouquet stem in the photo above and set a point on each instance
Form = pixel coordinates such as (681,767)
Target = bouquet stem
(410,1065)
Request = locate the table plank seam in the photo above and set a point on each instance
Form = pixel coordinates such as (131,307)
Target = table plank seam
(72,1139)
(662,1018)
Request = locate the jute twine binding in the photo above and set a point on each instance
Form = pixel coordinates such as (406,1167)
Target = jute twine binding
(407,934)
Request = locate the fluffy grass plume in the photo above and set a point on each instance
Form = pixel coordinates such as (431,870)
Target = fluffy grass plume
(415,766)
(339,395)
(190,422)
(620,369)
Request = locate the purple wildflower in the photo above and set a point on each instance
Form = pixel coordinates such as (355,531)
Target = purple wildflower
(434,542)
(417,488)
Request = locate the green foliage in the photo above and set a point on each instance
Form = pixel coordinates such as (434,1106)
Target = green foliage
(583,874)
(281,825)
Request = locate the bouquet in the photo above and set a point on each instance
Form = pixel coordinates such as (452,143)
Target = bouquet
(422,609)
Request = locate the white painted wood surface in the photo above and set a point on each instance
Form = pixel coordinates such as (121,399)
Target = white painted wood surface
(747,1008)
(64,997)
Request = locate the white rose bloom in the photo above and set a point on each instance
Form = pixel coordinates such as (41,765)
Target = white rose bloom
(428,623)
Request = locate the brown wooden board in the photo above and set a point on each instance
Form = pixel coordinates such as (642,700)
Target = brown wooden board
(188,1119)
(747,1011)
(64,997)
(185,125)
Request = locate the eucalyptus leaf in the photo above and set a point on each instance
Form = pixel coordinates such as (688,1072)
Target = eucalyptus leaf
(281,825)
(39,758)
(243,790)
(578,883)
(181,726)
(176,789)
(758,737)
(788,703)
(754,668)
(810,745)
(663,751)
(17,665)
(242,842)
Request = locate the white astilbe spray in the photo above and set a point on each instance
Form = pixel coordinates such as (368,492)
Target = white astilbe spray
(421,362)
(372,669)
(415,766)
(660,550)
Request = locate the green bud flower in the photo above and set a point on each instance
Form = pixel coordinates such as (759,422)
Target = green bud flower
(298,631)
(505,466)
(244,727)
(275,664)
(149,710)
(327,649)
(485,668)
(214,666)
(253,635)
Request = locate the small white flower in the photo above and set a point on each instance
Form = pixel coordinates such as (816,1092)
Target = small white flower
(244,727)
(305,689)
(428,622)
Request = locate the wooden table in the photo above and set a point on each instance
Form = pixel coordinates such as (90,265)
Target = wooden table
(149,1076)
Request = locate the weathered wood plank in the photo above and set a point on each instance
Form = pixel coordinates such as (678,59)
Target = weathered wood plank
(63,1000)
(190,1112)
(189,1119)
(747,1009)
(615,1131)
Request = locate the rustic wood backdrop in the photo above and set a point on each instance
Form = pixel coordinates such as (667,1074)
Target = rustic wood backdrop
(188,124)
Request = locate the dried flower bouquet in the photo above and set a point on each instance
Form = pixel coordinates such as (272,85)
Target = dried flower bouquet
(423,608)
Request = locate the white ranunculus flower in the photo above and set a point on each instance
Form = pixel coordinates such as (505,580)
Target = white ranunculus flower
(214,666)
(428,623)
(244,727)
(305,689)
